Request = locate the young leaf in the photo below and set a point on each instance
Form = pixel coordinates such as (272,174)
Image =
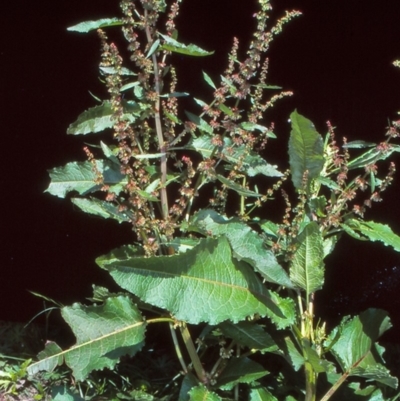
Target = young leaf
(306,150)
(88,26)
(375,232)
(247,245)
(80,177)
(98,118)
(204,284)
(104,333)
(307,268)
(174,46)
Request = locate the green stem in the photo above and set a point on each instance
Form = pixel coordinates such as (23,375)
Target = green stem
(177,348)
(198,367)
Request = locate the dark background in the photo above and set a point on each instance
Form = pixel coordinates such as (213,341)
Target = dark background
(336,58)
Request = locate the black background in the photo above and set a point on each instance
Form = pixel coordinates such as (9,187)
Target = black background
(336,58)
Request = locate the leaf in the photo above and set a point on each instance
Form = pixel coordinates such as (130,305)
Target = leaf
(307,268)
(209,80)
(174,46)
(375,232)
(371,156)
(242,191)
(201,393)
(202,125)
(88,26)
(261,394)
(80,177)
(355,348)
(250,335)
(250,162)
(204,284)
(104,209)
(62,393)
(112,71)
(358,145)
(98,118)
(104,333)
(240,370)
(294,356)
(306,150)
(248,126)
(247,245)
(153,48)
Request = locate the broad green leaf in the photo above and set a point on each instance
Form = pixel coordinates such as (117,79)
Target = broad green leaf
(204,284)
(201,393)
(88,26)
(376,372)
(375,232)
(242,191)
(104,209)
(240,370)
(80,177)
(355,349)
(261,394)
(250,335)
(172,45)
(202,125)
(247,245)
(250,162)
(307,268)
(306,150)
(98,118)
(209,80)
(104,333)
